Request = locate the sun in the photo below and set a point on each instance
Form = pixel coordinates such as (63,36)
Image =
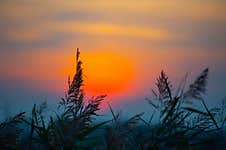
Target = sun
(106,72)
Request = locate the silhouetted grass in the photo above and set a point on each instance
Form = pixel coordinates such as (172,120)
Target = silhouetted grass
(180,122)
(181,125)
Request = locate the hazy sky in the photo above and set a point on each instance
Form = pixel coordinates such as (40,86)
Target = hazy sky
(124,46)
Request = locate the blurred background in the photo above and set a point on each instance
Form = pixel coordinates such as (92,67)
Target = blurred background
(124,46)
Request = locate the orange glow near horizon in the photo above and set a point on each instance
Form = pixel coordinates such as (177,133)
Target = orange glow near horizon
(105,72)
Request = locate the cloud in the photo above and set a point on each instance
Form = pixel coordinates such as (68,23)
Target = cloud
(35,24)
(98,29)
(193,9)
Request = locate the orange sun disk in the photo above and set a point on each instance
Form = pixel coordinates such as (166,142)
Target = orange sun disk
(106,72)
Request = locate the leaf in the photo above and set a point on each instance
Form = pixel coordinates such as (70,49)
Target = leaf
(222,125)
(210,114)
(134,120)
(152,104)
(171,110)
(112,112)
(195,111)
(89,130)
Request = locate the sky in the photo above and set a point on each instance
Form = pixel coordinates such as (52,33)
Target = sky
(124,46)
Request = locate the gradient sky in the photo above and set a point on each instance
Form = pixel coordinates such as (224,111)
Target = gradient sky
(124,46)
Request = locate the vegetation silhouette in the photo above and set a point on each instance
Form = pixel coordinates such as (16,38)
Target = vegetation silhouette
(181,125)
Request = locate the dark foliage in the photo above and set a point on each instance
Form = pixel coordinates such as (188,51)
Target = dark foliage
(181,124)
(10,132)
(72,128)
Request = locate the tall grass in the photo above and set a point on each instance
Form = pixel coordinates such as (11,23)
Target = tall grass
(181,124)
